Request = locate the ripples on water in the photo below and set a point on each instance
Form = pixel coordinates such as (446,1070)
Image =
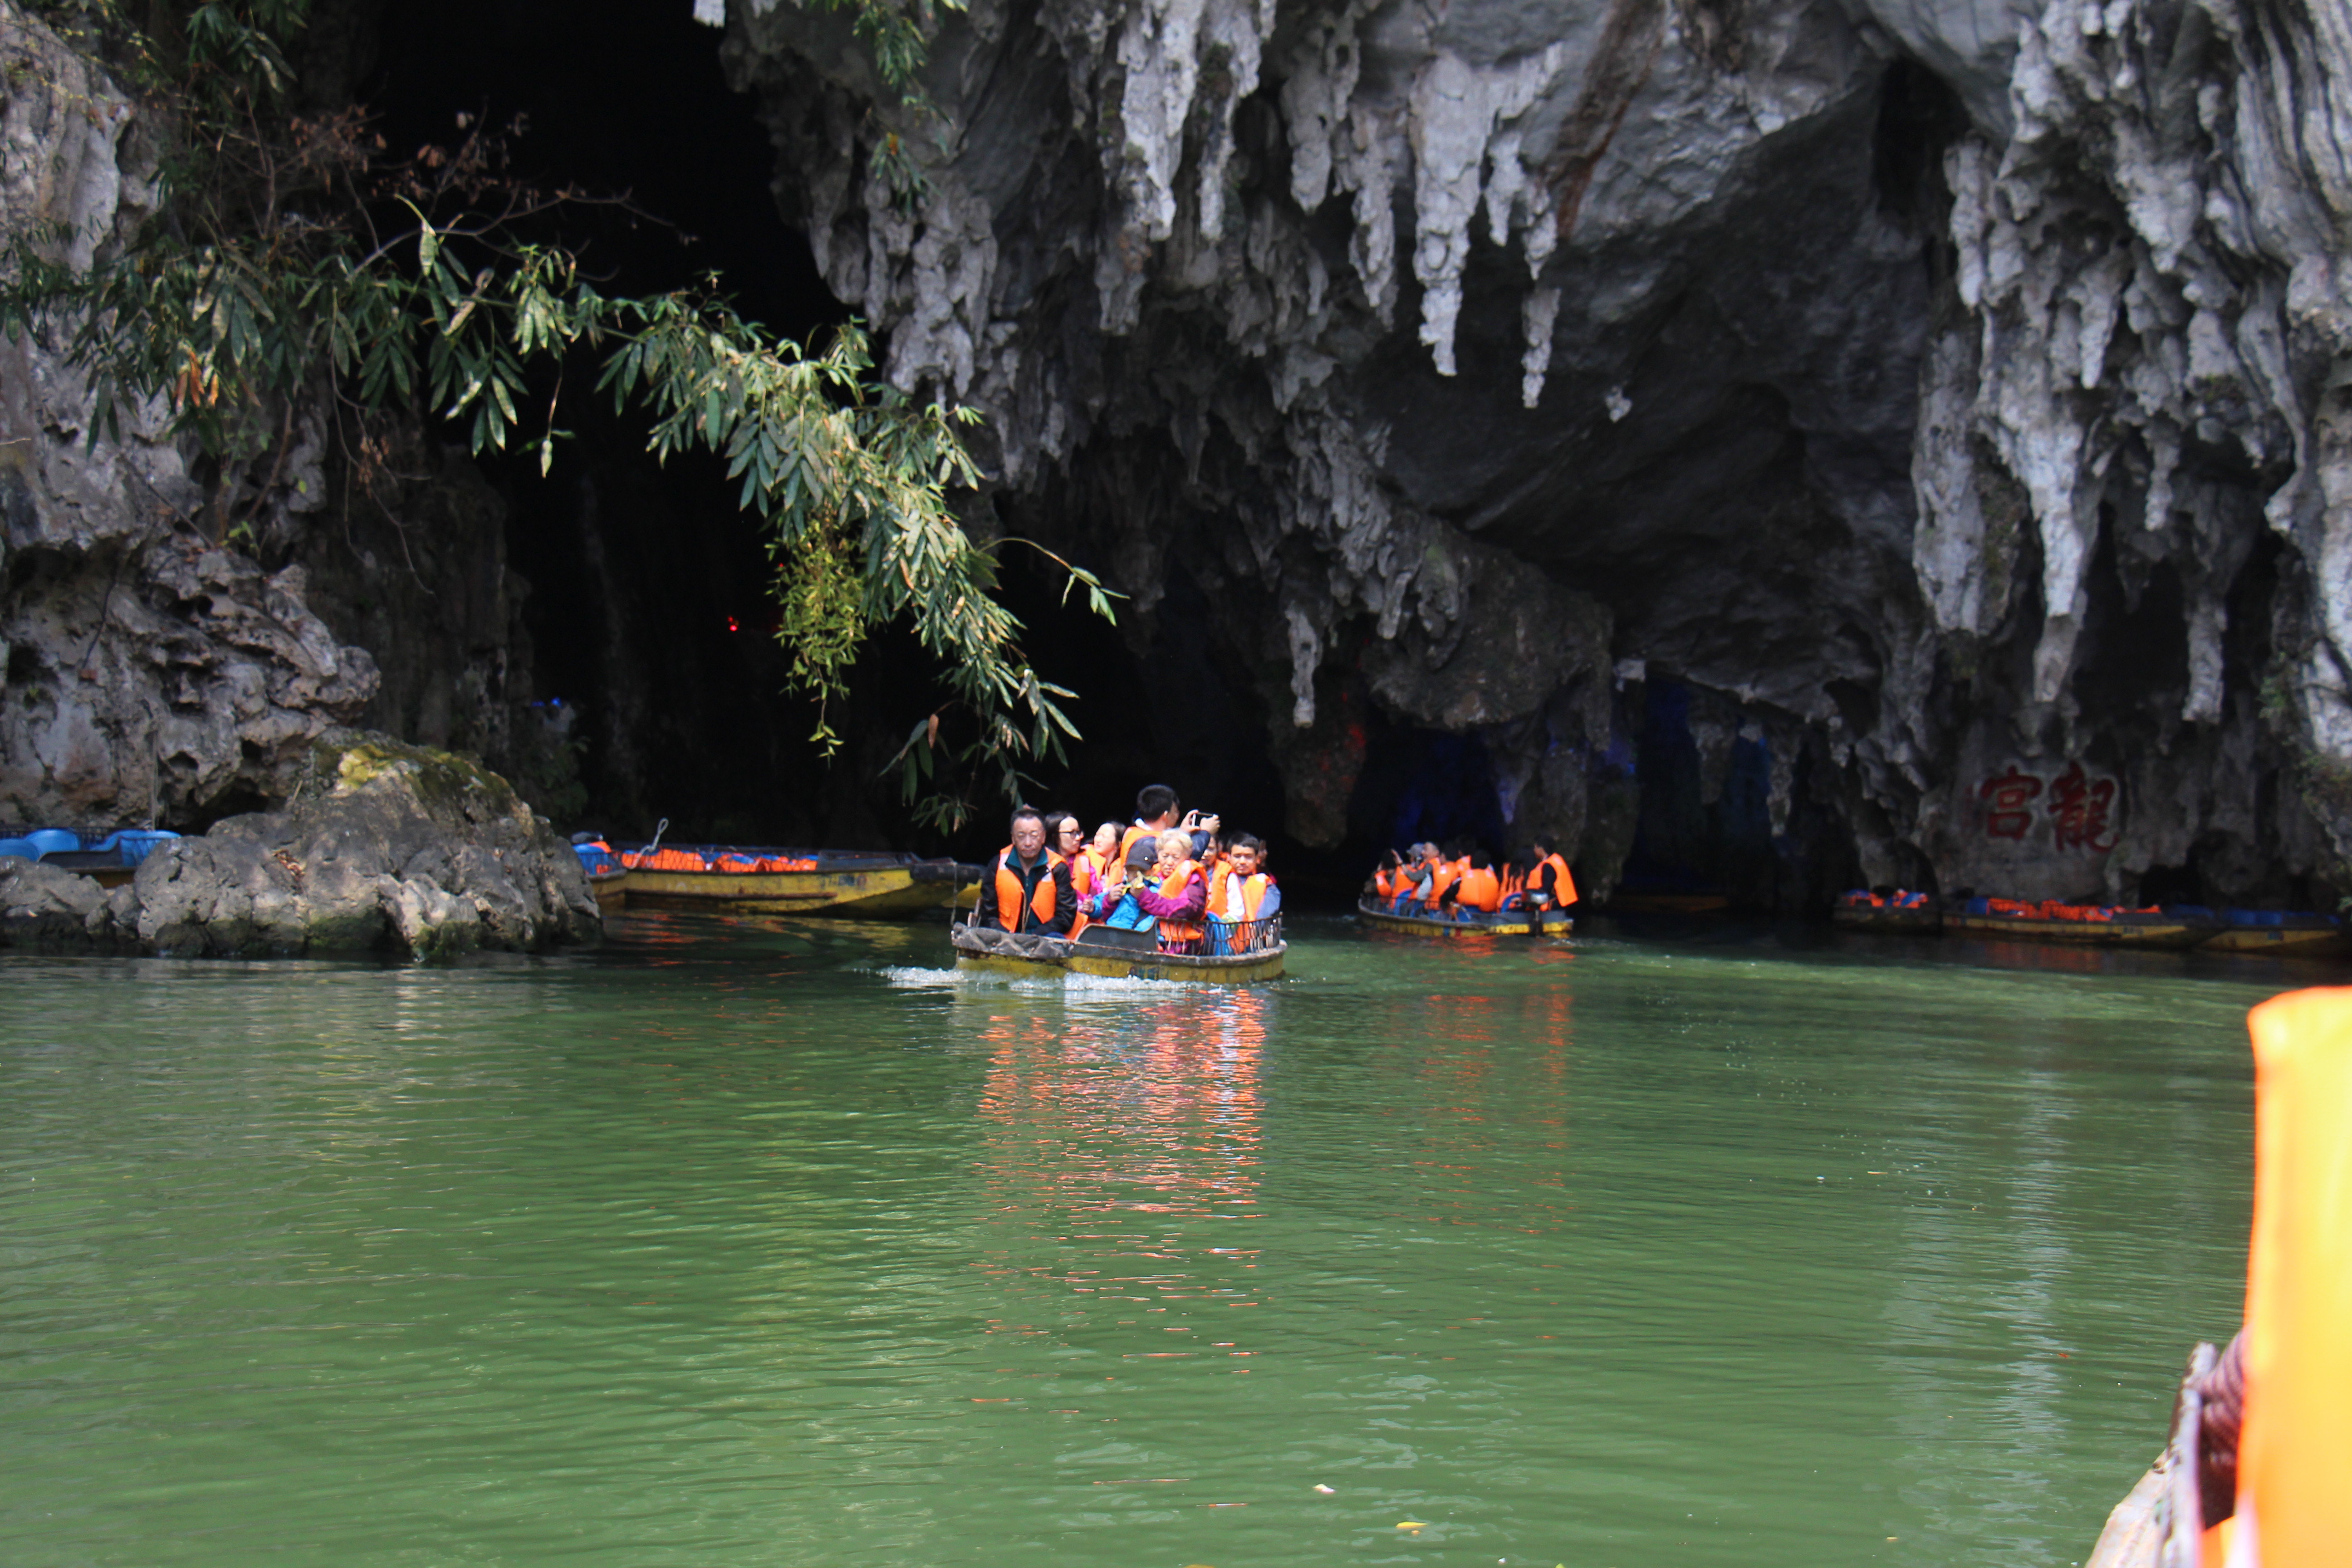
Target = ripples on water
(780,1245)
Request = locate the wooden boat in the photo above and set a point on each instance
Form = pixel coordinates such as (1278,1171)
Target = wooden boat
(2121,928)
(1380,915)
(1112,954)
(1856,911)
(110,860)
(608,880)
(2285,934)
(763,879)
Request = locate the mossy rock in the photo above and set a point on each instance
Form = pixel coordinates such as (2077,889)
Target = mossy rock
(450,785)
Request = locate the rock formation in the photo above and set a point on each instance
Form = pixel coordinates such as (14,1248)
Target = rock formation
(1939,399)
(174,632)
(385,848)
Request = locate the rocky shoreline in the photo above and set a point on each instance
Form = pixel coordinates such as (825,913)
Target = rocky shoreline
(383,847)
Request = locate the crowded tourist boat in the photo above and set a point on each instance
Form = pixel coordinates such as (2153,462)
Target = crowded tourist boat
(733,878)
(1167,896)
(1456,889)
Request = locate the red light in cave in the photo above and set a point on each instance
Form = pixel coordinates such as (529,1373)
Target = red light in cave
(733,624)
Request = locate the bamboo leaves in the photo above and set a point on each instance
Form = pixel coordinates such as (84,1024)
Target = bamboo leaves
(242,305)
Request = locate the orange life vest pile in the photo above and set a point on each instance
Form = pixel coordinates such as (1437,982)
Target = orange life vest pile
(731,862)
(2052,910)
(1900,898)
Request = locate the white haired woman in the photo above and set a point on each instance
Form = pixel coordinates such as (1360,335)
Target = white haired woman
(1180,901)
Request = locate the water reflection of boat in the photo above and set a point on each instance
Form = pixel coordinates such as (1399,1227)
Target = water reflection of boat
(1382,916)
(725,878)
(1256,951)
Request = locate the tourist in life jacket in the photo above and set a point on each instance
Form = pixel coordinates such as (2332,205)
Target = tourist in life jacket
(1416,879)
(1388,879)
(1548,884)
(1090,862)
(1179,898)
(1028,886)
(1446,869)
(1478,890)
(1066,835)
(1244,902)
(1104,878)
(1155,813)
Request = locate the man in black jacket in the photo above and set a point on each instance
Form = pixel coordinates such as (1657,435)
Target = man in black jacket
(1028,886)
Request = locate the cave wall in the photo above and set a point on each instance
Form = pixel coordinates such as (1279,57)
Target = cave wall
(1941,393)
(148,672)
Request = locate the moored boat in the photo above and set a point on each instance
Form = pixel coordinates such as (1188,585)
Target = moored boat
(2087,925)
(1899,910)
(110,860)
(1254,951)
(2286,933)
(725,878)
(608,880)
(1382,916)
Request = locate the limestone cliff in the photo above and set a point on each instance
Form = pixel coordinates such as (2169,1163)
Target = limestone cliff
(1943,394)
(175,632)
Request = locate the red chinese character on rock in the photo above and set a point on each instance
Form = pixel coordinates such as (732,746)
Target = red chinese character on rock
(2008,815)
(2080,805)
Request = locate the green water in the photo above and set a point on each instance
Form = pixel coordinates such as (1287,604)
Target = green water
(742,1247)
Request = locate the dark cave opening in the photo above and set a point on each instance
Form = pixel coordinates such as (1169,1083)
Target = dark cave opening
(648,613)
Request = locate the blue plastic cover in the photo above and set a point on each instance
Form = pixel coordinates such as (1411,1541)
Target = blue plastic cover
(596,862)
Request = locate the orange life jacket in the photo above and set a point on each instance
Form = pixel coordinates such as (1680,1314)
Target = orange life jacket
(1254,886)
(1563,885)
(1481,890)
(1008,892)
(1443,874)
(1087,877)
(1219,869)
(1173,887)
(1127,841)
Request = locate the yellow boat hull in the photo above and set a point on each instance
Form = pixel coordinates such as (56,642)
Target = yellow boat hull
(993,953)
(1507,923)
(2081,933)
(1244,969)
(885,894)
(2284,941)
